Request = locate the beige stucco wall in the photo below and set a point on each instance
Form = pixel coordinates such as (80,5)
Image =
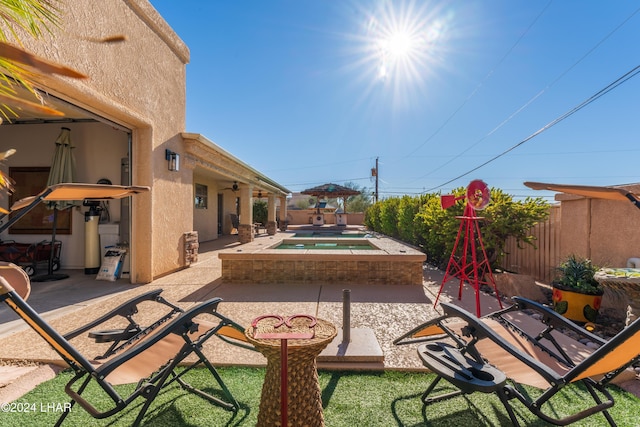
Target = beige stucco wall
(139,84)
(205,221)
(301,217)
(606,231)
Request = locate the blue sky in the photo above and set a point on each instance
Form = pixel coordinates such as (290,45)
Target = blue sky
(313,91)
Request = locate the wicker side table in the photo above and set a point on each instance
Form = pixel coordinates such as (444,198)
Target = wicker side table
(303,391)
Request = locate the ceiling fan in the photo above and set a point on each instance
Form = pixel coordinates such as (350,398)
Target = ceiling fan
(234,187)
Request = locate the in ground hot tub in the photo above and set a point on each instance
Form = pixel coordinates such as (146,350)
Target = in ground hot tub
(378,260)
(323,244)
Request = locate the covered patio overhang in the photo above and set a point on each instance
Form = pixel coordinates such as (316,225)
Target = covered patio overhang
(236,177)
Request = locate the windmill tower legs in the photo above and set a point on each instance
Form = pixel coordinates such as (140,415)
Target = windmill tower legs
(466,264)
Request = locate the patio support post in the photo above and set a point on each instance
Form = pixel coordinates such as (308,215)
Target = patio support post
(271,215)
(283,214)
(245,229)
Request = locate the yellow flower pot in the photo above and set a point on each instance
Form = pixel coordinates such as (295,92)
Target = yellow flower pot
(576,306)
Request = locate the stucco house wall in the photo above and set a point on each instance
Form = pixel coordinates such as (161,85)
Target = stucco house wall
(139,84)
(606,231)
(139,87)
(205,220)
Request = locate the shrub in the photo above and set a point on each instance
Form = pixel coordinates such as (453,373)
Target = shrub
(421,221)
(578,274)
(260,211)
(372,217)
(389,217)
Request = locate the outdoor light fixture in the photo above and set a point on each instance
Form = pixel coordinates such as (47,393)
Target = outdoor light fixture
(173,159)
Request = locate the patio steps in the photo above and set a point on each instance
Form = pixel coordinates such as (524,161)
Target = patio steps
(361,352)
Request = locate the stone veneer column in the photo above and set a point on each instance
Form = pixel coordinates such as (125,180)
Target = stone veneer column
(191,246)
(246,233)
(272,228)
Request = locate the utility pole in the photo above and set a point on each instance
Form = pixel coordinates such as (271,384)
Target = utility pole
(374,172)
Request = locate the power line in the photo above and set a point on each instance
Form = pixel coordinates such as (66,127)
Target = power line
(536,96)
(307,166)
(477,88)
(630,74)
(324,182)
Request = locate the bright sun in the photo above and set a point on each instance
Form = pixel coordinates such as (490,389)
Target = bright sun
(394,49)
(402,43)
(398,45)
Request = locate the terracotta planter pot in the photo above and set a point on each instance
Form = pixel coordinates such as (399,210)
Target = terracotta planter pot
(576,306)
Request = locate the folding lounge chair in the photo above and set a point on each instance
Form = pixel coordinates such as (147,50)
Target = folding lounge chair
(146,356)
(500,351)
(235,221)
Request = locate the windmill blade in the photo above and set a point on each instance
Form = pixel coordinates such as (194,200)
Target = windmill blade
(478,194)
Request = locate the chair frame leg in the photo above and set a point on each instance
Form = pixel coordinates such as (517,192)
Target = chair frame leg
(67,411)
(426,400)
(504,398)
(152,390)
(231,405)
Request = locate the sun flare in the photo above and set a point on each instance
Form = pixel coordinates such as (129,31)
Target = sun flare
(394,49)
(401,46)
(398,45)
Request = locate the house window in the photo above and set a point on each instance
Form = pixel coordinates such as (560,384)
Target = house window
(201,196)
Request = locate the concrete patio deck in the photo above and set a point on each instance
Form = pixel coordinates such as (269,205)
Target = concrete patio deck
(388,311)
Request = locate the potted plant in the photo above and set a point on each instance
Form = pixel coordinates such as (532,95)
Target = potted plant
(577,295)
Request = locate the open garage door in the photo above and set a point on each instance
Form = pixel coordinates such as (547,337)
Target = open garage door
(102,151)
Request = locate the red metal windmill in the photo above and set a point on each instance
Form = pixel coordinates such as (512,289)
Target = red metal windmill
(469,262)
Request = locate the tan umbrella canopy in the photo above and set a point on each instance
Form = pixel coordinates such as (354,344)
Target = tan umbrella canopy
(63,169)
(63,166)
(609,193)
(330,191)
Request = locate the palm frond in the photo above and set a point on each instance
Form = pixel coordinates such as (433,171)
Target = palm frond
(16,54)
(32,16)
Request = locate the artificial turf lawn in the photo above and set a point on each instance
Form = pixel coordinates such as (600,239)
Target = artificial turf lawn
(350,399)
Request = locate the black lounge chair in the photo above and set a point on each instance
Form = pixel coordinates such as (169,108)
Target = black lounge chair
(235,222)
(142,355)
(479,354)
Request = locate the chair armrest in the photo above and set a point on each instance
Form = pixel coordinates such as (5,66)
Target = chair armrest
(181,324)
(232,333)
(111,335)
(428,331)
(125,309)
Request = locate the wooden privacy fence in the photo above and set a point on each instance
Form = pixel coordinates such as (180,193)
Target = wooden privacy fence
(540,261)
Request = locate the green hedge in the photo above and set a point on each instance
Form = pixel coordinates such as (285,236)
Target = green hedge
(421,221)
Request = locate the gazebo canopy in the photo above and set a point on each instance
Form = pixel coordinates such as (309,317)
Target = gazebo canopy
(331,190)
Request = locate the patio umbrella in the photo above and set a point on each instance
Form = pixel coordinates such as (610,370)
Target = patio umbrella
(330,190)
(610,193)
(63,169)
